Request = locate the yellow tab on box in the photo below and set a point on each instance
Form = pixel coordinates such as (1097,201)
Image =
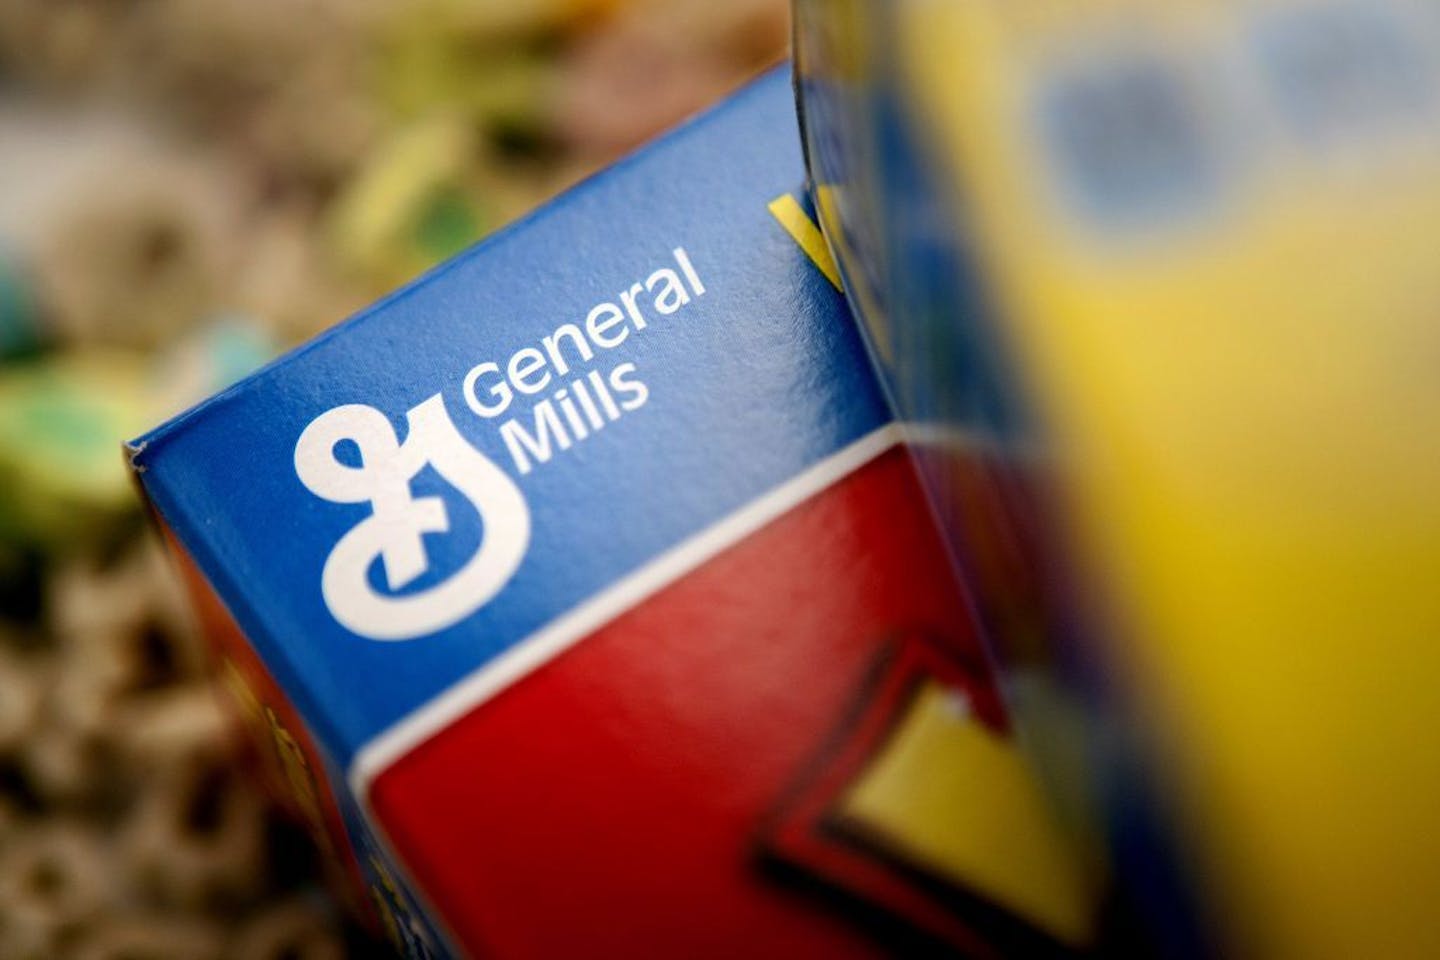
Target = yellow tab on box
(959,801)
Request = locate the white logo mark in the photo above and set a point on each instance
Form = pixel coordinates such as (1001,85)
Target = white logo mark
(394,530)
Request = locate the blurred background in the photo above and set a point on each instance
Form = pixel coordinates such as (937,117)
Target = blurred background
(187,189)
(1184,250)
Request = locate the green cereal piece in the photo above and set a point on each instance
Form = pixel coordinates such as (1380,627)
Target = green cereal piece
(446,224)
(412,204)
(62,422)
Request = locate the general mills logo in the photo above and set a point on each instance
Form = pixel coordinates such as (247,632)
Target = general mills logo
(394,531)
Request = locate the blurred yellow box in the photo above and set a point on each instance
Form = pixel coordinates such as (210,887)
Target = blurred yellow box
(1195,246)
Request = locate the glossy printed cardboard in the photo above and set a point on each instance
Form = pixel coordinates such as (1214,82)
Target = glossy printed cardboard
(580,590)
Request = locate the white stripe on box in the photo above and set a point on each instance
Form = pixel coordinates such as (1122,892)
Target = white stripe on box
(565,631)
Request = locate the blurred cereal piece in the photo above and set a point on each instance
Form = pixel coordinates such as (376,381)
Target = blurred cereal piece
(120,645)
(59,44)
(158,937)
(310,134)
(285,279)
(211,357)
(61,420)
(64,417)
(495,65)
(198,838)
(128,735)
(20,688)
(229,54)
(494,72)
(413,203)
(296,929)
(68,768)
(120,635)
(231,46)
(134,258)
(169,726)
(55,876)
(283,83)
(89,597)
(658,62)
(125,234)
(475,25)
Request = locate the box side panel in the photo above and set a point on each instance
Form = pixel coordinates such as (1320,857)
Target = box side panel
(300,776)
